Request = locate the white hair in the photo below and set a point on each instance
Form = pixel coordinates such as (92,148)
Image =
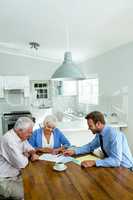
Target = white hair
(50,120)
(23,123)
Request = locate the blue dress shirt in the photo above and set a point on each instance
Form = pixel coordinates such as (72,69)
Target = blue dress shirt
(115,145)
(59,139)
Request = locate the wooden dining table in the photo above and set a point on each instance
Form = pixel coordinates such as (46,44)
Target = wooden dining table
(42,182)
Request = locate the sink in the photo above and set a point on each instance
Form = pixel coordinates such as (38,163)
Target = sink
(44,107)
(70,116)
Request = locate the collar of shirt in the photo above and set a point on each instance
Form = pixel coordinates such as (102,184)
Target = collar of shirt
(45,142)
(17,138)
(104,131)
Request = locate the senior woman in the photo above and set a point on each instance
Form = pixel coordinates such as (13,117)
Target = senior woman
(49,139)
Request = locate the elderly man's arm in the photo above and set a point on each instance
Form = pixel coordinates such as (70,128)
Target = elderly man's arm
(15,156)
(30,152)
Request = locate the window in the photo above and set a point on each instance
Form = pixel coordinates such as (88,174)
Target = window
(88,91)
(69,88)
(41,89)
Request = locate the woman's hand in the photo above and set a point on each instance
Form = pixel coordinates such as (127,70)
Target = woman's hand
(58,150)
(44,150)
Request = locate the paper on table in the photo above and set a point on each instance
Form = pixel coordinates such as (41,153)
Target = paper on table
(83,158)
(55,158)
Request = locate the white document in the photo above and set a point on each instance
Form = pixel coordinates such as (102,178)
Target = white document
(55,158)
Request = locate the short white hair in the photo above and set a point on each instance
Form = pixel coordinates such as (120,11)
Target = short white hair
(50,120)
(24,123)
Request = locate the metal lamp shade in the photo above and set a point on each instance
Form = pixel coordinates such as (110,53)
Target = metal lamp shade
(68,70)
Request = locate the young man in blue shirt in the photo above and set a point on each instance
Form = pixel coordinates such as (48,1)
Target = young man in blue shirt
(112,142)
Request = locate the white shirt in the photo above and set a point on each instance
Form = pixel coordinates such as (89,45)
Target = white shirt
(45,142)
(12,158)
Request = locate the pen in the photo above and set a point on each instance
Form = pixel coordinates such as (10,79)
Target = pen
(60,154)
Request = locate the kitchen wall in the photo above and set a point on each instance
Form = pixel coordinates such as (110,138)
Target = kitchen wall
(63,103)
(35,69)
(115,71)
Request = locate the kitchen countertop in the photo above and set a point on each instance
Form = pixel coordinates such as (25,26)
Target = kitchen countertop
(76,125)
(68,125)
(118,125)
(81,125)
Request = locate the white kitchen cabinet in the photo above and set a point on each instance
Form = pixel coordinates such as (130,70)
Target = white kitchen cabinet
(16,83)
(26,92)
(1,87)
(1,125)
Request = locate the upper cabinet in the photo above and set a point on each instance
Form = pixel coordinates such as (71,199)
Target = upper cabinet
(15,83)
(1,87)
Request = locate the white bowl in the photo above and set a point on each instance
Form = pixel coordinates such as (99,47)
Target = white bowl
(59,169)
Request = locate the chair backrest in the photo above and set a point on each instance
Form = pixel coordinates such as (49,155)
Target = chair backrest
(0,137)
(6,198)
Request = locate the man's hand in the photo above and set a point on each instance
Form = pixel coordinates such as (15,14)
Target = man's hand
(34,157)
(68,152)
(88,163)
(29,153)
(26,154)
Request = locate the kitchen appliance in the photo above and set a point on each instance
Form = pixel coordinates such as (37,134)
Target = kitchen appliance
(9,119)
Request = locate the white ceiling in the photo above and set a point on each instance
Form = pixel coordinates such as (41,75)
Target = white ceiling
(93,27)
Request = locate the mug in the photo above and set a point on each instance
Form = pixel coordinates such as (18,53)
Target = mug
(59,165)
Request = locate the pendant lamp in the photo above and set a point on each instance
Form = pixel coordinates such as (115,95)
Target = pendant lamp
(68,70)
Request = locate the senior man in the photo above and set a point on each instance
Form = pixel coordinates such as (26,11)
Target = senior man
(15,152)
(112,142)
